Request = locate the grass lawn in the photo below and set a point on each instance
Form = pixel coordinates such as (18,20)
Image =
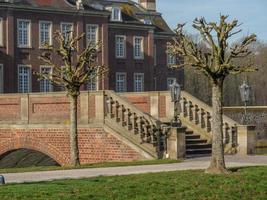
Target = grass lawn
(245,183)
(96,165)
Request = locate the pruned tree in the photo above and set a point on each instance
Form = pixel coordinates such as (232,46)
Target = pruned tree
(76,71)
(216,61)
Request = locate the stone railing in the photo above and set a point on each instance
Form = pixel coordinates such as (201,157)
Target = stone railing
(148,129)
(197,115)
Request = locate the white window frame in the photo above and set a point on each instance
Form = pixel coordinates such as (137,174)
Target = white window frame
(136,81)
(113,14)
(92,84)
(171,60)
(67,23)
(124,47)
(125,82)
(141,56)
(96,33)
(51,72)
(1,32)
(28,34)
(29,79)
(1,78)
(50,33)
(170,79)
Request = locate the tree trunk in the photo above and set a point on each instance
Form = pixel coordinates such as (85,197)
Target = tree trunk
(217,165)
(74,150)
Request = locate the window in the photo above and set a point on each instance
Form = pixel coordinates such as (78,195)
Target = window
(138,48)
(138,82)
(171,60)
(116,14)
(1,79)
(120,82)
(23,33)
(92,84)
(45,85)
(24,78)
(91,33)
(1,32)
(120,46)
(45,33)
(170,81)
(66,30)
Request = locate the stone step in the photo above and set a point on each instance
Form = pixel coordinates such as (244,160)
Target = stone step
(198,155)
(195,141)
(198,151)
(192,137)
(198,146)
(189,132)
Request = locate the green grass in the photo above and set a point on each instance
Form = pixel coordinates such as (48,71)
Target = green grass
(96,165)
(243,184)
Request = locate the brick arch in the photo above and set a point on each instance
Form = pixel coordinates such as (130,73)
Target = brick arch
(34,144)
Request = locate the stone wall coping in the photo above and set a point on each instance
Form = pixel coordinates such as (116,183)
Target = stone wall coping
(241,108)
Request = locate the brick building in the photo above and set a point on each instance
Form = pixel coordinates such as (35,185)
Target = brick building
(134,37)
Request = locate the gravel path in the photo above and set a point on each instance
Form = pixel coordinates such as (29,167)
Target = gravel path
(189,164)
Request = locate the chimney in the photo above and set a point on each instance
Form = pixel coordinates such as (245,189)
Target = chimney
(148,4)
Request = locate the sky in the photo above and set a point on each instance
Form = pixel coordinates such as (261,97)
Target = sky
(251,13)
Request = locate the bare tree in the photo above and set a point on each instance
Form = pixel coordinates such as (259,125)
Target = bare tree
(77,69)
(216,61)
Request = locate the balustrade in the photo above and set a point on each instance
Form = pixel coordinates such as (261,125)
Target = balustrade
(198,114)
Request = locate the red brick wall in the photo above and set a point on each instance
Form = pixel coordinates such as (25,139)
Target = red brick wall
(141,102)
(162,106)
(95,145)
(10,108)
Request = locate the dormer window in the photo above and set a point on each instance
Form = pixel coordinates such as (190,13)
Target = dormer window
(116,14)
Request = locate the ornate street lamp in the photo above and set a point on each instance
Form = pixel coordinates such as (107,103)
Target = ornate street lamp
(245,91)
(175,90)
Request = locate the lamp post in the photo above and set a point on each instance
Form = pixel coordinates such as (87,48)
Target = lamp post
(175,90)
(245,90)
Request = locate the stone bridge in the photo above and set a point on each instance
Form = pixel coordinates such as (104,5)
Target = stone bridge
(111,127)
(40,122)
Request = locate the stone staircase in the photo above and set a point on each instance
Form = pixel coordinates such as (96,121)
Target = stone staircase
(196,116)
(148,134)
(195,146)
(141,129)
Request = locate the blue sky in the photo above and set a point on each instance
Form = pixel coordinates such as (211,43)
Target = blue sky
(252,13)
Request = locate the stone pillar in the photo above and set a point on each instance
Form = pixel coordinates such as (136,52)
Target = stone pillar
(176,143)
(24,108)
(84,108)
(246,138)
(154,104)
(100,107)
(169,108)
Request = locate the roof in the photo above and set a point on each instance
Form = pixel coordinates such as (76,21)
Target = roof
(132,12)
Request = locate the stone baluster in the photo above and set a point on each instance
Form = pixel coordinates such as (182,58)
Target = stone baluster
(190,110)
(196,114)
(208,118)
(122,115)
(117,111)
(128,121)
(233,136)
(225,133)
(110,103)
(133,118)
(185,111)
(182,101)
(202,121)
(140,127)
